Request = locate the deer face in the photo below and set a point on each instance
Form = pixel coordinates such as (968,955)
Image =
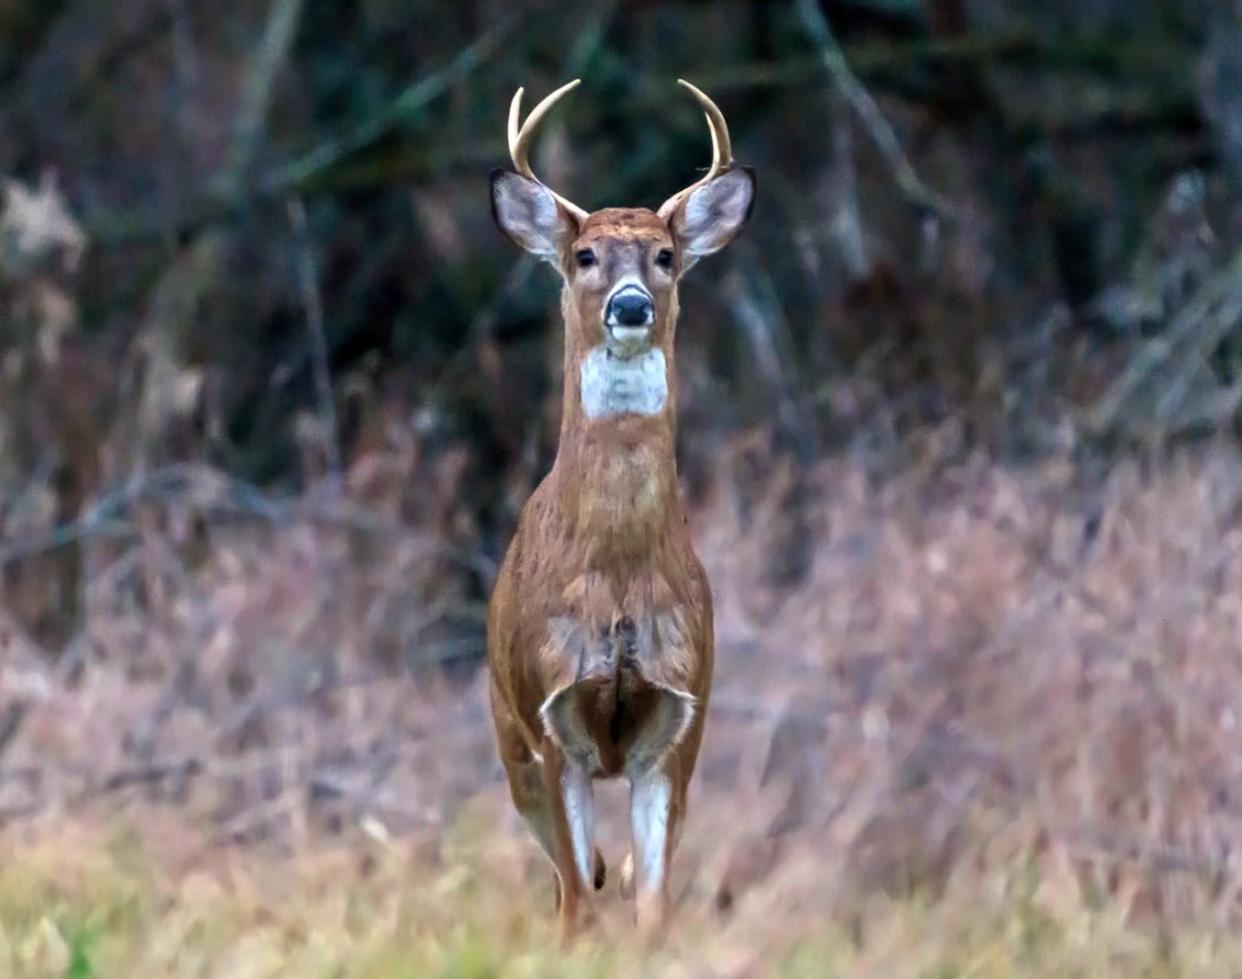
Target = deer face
(620,274)
(620,266)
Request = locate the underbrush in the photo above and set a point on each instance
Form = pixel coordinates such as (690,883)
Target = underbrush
(154,901)
(987,727)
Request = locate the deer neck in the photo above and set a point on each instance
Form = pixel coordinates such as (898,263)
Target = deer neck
(616,467)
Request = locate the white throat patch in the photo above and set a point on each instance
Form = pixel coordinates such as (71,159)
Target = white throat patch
(615,386)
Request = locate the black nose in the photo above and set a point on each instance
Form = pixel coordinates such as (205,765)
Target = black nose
(630,307)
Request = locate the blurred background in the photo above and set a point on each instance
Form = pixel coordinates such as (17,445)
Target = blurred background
(959,416)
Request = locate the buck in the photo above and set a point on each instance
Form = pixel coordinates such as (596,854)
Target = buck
(599,631)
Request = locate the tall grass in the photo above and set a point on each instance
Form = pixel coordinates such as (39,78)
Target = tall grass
(988,729)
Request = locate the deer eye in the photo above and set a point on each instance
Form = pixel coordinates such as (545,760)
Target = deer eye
(664,258)
(586,258)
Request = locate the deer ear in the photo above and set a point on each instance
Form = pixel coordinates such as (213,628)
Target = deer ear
(711,215)
(530,214)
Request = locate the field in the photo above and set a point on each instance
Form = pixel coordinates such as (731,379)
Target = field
(988,732)
(82,903)
(958,418)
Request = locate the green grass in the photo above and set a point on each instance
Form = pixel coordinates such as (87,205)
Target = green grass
(98,904)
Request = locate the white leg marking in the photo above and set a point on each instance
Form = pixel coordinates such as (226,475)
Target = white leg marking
(580,813)
(650,797)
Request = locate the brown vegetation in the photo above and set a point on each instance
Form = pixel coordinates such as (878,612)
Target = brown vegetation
(957,424)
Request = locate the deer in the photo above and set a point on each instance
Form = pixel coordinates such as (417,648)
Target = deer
(599,626)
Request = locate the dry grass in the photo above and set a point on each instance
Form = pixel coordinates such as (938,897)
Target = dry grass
(83,902)
(990,732)
(80,902)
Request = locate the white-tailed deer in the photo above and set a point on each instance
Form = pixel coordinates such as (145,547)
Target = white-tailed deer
(599,632)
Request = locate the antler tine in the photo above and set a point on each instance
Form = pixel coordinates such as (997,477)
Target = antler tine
(520,139)
(515,112)
(722,146)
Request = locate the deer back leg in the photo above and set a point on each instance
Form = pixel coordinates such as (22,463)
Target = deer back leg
(531,799)
(657,806)
(570,794)
(657,815)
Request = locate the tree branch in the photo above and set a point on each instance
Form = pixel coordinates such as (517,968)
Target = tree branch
(833,60)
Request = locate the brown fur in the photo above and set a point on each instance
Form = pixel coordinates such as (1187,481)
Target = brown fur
(601,603)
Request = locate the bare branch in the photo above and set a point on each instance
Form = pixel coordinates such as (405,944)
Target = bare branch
(833,59)
(312,303)
(11,722)
(297,173)
(273,52)
(1198,326)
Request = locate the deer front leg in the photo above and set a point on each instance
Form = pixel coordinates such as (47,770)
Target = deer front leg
(657,805)
(569,790)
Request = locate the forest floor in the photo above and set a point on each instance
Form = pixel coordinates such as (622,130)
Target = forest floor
(986,727)
(156,900)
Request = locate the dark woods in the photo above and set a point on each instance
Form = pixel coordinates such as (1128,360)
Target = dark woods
(997,227)
(272,386)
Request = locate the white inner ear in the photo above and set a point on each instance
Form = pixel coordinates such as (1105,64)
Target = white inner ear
(528,212)
(544,211)
(715,212)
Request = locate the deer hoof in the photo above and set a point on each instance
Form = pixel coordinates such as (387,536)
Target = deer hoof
(601,871)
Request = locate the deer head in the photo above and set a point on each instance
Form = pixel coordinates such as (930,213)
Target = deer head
(620,266)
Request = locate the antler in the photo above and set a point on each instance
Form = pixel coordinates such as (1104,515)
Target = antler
(722,148)
(520,140)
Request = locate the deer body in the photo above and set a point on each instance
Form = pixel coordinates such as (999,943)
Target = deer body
(600,623)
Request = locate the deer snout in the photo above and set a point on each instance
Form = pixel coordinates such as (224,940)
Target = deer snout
(628,314)
(630,306)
